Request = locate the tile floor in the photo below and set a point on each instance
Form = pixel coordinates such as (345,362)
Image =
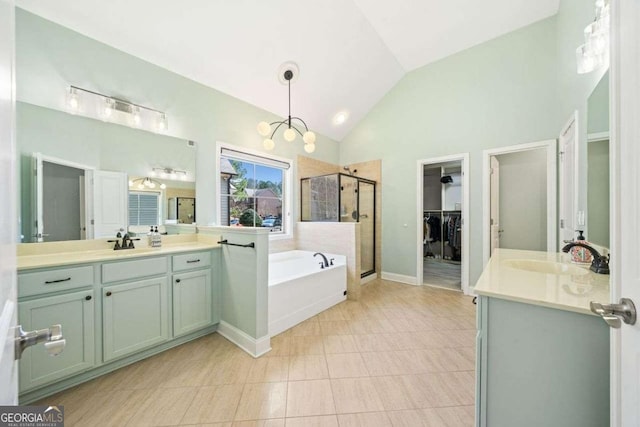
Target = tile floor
(401,356)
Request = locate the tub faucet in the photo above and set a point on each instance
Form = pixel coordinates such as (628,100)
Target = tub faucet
(600,264)
(325,262)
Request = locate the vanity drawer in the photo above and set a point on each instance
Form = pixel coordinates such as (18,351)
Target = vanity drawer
(135,269)
(60,279)
(191,261)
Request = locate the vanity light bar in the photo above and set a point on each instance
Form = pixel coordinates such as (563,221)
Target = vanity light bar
(169,173)
(109,108)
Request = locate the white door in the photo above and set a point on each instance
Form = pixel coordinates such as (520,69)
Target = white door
(8,201)
(110,194)
(495,202)
(625,206)
(567,200)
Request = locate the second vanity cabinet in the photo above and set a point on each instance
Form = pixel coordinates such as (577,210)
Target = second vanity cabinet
(192,291)
(114,312)
(134,311)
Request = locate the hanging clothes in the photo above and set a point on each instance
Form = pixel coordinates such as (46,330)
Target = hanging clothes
(434,228)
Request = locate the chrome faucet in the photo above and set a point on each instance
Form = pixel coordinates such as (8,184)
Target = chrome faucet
(600,263)
(325,262)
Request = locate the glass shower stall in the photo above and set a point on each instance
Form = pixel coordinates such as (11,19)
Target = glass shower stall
(340,197)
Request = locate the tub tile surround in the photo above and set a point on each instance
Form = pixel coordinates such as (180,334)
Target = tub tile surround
(432,384)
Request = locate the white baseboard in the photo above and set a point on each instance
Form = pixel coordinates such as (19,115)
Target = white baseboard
(255,347)
(409,280)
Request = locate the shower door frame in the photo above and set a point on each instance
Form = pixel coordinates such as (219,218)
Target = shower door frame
(358,179)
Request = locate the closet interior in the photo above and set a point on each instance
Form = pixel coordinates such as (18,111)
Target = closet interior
(442,225)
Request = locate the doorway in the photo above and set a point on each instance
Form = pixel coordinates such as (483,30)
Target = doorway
(520,198)
(443,237)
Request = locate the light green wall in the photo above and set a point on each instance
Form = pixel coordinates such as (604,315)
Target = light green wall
(598,193)
(520,87)
(598,107)
(499,93)
(50,57)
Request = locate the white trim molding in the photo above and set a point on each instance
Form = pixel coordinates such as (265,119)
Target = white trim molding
(400,278)
(464,159)
(552,191)
(255,347)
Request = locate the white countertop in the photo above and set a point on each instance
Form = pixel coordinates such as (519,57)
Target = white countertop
(571,292)
(40,255)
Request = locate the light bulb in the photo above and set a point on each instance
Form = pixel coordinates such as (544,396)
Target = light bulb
(268,144)
(152,184)
(309,148)
(340,118)
(72,100)
(141,186)
(147,183)
(289,134)
(163,186)
(162,124)
(136,116)
(585,60)
(309,137)
(130,183)
(108,107)
(264,128)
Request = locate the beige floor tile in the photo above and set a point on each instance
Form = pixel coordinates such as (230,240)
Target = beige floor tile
(306,328)
(214,404)
(356,395)
(416,418)
(306,398)
(114,408)
(346,365)
(340,344)
(373,343)
(260,423)
(335,327)
(365,419)
(262,401)
(163,407)
(306,345)
(420,358)
(394,393)
(385,363)
(280,346)
(307,368)
(269,369)
(320,421)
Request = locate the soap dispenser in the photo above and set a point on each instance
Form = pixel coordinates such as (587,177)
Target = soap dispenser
(580,255)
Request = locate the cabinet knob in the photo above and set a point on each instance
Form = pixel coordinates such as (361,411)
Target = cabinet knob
(88,297)
(109,293)
(177,280)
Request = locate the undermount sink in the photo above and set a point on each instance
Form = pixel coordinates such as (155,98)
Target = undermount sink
(546,267)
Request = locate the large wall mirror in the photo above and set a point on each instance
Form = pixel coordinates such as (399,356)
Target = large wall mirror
(598,164)
(82,178)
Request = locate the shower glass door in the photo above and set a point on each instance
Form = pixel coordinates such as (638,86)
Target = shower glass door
(348,199)
(366,211)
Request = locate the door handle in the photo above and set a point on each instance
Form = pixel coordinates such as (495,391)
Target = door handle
(615,314)
(54,343)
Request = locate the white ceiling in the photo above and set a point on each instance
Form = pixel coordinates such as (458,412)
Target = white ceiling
(350,52)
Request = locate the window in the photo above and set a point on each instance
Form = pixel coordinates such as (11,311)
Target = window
(253,190)
(144,208)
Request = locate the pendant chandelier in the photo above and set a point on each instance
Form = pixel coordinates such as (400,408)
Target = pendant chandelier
(594,53)
(289,133)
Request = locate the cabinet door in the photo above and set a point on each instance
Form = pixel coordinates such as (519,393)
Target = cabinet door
(75,313)
(135,316)
(191,301)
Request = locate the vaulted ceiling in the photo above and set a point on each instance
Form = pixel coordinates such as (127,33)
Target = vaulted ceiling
(350,52)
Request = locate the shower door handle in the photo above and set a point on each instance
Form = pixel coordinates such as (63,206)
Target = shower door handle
(364,216)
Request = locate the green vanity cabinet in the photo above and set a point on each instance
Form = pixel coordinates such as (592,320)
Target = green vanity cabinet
(538,366)
(75,312)
(192,292)
(134,316)
(192,303)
